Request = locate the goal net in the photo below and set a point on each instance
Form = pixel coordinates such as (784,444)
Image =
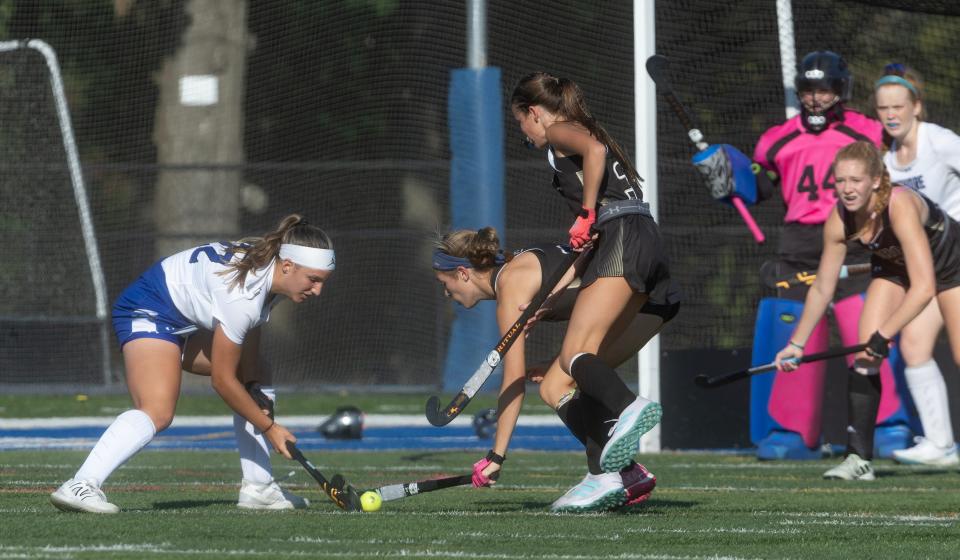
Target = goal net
(343,118)
(53,308)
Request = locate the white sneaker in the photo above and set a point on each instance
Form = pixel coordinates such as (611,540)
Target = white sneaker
(852,468)
(635,420)
(596,492)
(268,496)
(82,495)
(925,452)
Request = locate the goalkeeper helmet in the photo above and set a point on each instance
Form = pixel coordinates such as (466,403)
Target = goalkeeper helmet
(823,70)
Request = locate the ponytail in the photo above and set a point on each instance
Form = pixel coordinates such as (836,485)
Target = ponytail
(480,248)
(258,252)
(563,97)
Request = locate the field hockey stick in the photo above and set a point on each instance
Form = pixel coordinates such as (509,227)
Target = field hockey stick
(769,278)
(443,416)
(337,489)
(397,491)
(710,382)
(657,66)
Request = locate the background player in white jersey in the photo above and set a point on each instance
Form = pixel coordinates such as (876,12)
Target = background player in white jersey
(200,310)
(926,158)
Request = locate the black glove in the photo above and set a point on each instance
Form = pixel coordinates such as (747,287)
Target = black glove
(259,397)
(878,346)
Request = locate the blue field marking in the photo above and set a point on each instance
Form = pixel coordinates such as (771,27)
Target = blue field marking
(220,436)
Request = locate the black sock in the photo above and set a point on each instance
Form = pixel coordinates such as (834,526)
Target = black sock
(863,401)
(600,381)
(593,457)
(587,421)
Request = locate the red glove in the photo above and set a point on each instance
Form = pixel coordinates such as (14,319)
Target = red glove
(480,479)
(580,232)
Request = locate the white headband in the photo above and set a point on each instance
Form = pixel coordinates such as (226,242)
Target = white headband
(310,257)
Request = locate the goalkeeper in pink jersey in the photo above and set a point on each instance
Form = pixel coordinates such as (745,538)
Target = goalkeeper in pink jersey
(785,417)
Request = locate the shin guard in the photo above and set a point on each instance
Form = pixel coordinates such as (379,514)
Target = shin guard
(863,400)
(895,424)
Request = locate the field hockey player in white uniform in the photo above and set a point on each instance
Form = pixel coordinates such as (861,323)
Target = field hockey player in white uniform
(926,158)
(200,310)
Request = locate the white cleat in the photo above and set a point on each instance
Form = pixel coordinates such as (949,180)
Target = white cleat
(83,496)
(925,452)
(268,496)
(852,468)
(624,443)
(596,492)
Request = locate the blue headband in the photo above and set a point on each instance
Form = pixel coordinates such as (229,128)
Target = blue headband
(896,80)
(444,261)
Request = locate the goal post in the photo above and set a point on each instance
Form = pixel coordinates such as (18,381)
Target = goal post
(51,314)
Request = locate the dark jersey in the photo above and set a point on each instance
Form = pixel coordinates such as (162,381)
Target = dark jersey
(552,256)
(887,260)
(568,180)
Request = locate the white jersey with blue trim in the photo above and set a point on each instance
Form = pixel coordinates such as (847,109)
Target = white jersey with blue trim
(935,172)
(199,285)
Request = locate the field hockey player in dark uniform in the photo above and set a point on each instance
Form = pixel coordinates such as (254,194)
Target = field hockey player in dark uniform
(471,268)
(915,255)
(628,265)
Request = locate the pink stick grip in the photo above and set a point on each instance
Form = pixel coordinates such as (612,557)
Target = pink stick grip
(748,219)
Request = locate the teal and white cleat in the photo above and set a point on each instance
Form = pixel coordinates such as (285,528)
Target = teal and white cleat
(635,420)
(596,492)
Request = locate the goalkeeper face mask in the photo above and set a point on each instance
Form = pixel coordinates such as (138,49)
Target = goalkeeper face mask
(819,108)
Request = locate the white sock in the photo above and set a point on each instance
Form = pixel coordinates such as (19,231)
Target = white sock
(929,393)
(129,433)
(253,447)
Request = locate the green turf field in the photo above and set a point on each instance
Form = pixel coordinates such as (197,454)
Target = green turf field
(180,505)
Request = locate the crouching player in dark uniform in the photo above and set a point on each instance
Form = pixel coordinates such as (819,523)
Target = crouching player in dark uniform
(628,267)
(915,249)
(471,268)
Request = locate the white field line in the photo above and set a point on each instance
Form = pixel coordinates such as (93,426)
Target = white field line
(859,523)
(805,490)
(866,519)
(370,421)
(168,550)
(219,467)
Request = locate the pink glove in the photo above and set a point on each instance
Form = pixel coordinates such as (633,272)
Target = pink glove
(480,479)
(580,232)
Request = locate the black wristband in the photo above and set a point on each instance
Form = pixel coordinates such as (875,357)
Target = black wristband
(878,346)
(494,458)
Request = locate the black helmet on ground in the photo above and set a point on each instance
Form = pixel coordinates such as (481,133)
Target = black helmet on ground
(345,423)
(485,423)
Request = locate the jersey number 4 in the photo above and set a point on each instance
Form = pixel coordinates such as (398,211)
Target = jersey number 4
(808,183)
